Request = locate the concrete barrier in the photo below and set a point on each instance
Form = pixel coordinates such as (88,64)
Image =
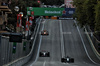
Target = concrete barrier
(92,45)
(24,59)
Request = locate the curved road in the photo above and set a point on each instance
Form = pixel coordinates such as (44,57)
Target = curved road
(64,40)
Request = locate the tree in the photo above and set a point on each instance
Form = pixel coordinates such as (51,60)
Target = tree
(80,13)
(88,13)
(97,18)
(12,19)
(85,12)
(52,2)
(89,10)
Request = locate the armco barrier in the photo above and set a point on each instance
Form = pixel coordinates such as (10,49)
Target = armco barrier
(3,50)
(6,48)
(23,60)
(91,42)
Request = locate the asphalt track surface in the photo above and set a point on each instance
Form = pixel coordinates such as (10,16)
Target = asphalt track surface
(64,39)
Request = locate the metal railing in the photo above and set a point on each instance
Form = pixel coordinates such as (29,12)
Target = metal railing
(93,41)
(23,56)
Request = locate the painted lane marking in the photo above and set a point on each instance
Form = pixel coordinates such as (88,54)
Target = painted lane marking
(44,63)
(38,47)
(84,44)
(62,41)
(43,22)
(66,32)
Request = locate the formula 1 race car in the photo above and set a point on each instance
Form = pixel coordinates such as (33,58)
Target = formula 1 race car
(44,54)
(44,32)
(67,60)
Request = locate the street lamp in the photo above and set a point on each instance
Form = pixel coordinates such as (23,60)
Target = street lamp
(16,8)
(21,14)
(19,19)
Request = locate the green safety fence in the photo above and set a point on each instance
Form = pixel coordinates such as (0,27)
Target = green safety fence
(24,46)
(14,47)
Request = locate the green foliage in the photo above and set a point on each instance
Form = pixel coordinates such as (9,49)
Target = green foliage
(89,10)
(97,17)
(88,13)
(12,18)
(14,47)
(85,12)
(80,13)
(52,2)
(35,4)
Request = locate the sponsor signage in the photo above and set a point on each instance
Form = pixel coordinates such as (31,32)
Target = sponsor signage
(64,18)
(45,11)
(51,11)
(18,37)
(68,12)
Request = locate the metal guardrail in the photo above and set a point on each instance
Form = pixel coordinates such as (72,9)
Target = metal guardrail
(6,48)
(23,60)
(92,43)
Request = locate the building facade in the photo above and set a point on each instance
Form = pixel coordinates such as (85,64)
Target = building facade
(4,11)
(68,3)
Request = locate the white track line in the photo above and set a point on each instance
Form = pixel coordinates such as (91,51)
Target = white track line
(44,63)
(38,48)
(84,43)
(62,41)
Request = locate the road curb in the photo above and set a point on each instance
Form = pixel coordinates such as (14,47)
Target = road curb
(92,45)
